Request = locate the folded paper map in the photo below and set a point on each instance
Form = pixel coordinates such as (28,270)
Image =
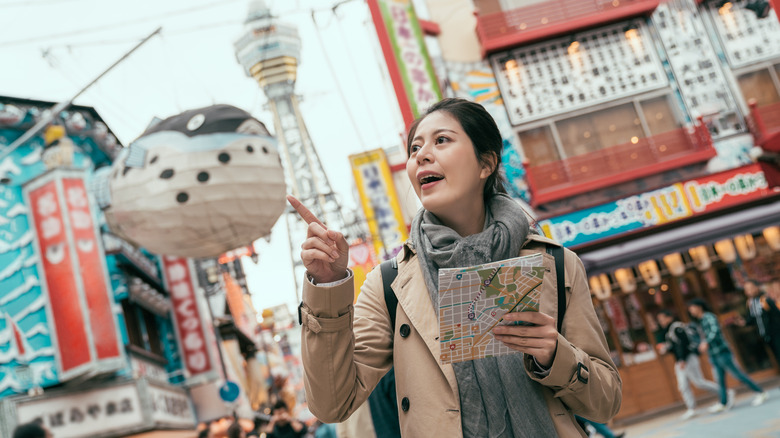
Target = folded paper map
(473,300)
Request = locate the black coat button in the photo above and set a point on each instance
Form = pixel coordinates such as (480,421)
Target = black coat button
(405,404)
(405,330)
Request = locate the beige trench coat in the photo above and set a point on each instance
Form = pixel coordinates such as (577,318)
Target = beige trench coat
(346,350)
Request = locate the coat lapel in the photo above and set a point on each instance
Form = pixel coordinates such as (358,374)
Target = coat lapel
(413,297)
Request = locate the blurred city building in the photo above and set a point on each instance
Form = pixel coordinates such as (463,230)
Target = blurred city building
(645,135)
(98,337)
(88,336)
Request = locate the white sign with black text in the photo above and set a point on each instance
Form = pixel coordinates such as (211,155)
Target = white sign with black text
(86,414)
(171,408)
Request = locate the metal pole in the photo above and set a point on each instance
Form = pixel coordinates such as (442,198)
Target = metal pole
(62,105)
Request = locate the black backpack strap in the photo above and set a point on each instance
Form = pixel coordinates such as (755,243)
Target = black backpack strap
(560,274)
(389,269)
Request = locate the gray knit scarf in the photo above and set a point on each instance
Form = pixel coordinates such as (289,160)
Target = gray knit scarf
(497,398)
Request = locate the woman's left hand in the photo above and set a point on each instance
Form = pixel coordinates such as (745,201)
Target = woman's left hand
(539,340)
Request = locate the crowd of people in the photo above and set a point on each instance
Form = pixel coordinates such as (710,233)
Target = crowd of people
(704,335)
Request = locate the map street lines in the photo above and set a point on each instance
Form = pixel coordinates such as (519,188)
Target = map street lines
(473,300)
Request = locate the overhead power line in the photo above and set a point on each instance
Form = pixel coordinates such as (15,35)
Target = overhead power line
(141,20)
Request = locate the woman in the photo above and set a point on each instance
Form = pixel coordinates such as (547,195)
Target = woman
(467,219)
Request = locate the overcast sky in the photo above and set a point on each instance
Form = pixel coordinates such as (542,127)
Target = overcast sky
(49,49)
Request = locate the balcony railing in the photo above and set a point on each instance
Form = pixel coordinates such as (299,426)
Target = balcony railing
(617,164)
(764,121)
(502,30)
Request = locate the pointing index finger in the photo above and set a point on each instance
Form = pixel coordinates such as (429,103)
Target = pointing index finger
(304,212)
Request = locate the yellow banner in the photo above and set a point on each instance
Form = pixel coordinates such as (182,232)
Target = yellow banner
(380,201)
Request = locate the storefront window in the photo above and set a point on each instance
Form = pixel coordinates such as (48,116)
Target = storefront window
(659,115)
(142,330)
(759,85)
(601,129)
(539,146)
(630,325)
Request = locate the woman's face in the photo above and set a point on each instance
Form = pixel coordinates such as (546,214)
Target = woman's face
(443,167)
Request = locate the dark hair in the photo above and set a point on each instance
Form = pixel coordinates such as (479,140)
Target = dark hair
(33,429)
(234,431)
(699,302)
(481,129)
(279,405)
(667,313)
(203,433)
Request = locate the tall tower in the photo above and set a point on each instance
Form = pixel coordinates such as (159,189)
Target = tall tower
(269,51)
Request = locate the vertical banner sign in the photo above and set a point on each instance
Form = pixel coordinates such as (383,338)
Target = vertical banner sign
(93,275)
(380,202)
(408,63)
(189,324)
(48,213)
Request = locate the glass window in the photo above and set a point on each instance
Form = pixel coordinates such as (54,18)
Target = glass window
(134,335)
(659,115)
(758,85)
(630,323)
(602,129)
(539,146)
(152,333)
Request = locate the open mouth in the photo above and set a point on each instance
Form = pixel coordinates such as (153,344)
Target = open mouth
(428,179)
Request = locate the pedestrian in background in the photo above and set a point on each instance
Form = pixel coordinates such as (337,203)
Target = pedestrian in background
(33,429)
(467,219)
(721,357)
(762,311)
(683,341)
(282,424)
(235,430)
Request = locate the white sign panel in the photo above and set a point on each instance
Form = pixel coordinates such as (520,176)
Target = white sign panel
(693,59)
(746,38)
(171,408)
(86,414)
(578,71)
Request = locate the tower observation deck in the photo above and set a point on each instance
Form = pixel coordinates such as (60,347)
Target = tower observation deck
(269,51)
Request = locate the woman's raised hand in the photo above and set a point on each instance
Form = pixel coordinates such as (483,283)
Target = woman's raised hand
(325,252)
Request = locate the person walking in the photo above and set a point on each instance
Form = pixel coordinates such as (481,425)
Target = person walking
(763,312)
(683,341)
(454,152)
(721,356)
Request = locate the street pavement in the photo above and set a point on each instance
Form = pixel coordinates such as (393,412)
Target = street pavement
(742,421)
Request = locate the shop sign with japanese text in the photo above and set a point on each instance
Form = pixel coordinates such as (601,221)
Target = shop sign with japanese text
(170,407)
(404,49)
(189,323)
(380,201)
(77,291)
(87,413)
(668,204)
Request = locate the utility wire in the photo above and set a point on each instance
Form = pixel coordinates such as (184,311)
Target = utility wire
(338,84)
(353,65)
(142,20)
(16,4)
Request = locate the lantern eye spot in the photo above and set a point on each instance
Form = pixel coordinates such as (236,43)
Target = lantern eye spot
(153,160)
(249,148)
(166,174)
(265,150)
(125,170)
(5,180)
(203,176)
(224,157)
(182,197)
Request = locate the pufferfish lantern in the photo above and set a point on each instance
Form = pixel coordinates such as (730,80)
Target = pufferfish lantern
(196,184)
